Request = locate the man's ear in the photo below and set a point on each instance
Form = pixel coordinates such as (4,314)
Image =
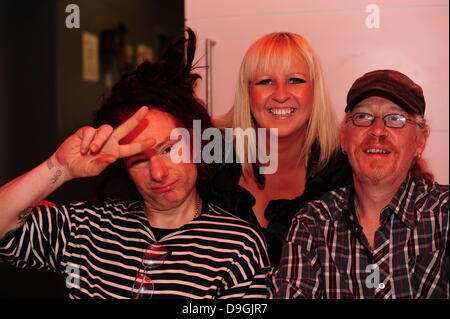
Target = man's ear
(421,140)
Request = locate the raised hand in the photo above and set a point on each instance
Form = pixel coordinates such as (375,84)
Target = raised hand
(89,151)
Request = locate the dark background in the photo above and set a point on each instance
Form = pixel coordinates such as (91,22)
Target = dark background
(43,98)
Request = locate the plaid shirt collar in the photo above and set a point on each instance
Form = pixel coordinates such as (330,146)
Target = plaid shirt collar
(402,204)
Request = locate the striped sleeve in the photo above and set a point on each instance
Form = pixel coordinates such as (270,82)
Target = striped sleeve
(257,289)
(247,281)
(40,242)
(298,275)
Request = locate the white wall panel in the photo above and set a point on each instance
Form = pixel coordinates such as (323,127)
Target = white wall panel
(412,38)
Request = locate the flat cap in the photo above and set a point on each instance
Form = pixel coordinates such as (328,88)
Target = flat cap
(391,85)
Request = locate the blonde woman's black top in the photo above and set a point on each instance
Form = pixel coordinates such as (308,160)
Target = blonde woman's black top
(225,192)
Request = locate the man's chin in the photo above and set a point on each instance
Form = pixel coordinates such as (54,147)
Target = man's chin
(171,198)
(375,176)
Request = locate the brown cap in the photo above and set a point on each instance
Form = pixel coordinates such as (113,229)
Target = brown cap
(391,85)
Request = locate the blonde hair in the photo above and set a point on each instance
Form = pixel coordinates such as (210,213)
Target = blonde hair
(278,51)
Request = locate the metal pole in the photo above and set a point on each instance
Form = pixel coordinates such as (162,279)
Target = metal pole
(209,44)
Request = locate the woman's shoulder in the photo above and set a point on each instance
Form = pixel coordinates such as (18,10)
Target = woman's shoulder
(227,176)
(337,173)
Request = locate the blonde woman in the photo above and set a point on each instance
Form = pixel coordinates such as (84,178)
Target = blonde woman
(281,86)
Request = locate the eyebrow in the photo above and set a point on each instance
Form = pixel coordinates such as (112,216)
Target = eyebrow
(390,110)
(265,75)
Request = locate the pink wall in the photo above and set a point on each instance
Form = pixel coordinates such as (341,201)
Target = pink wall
(412,37)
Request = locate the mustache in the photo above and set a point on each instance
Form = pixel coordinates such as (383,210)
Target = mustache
(379,142)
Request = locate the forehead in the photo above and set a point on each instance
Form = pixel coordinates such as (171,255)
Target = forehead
(378,104)
(157,124)
(161,121)
(278,65)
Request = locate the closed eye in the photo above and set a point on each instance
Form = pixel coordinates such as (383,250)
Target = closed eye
(264,82)
(296,80)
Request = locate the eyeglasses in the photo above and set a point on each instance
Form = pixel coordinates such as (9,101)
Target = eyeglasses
(392,120)
(154,256)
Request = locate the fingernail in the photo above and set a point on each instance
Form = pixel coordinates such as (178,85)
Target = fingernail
(94,148)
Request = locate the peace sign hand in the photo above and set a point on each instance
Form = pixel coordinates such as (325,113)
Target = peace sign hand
(89,151)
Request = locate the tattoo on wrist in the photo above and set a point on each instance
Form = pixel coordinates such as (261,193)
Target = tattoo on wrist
(23,215)
(55,177)
(50,164)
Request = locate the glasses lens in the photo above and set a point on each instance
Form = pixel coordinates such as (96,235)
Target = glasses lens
(154,255)
(395,120)
(142,287)
(362,119)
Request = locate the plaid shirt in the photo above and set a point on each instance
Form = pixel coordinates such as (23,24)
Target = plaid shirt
(326,254)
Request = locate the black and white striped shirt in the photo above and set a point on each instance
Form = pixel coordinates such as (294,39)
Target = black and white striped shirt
(99,247)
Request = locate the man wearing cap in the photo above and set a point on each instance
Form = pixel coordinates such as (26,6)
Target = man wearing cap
(387,234)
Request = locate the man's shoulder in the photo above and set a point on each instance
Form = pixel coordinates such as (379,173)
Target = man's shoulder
(109,208)
(440,190)
(229,219)
(429,196)
(95,204)
(326,207)
(423,191)
(226,215)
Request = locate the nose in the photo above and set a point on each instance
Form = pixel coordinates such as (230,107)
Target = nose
(158,169)
(281,93)
(378,129)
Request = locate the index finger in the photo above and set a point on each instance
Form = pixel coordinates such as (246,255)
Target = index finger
(126,127)
(128,150)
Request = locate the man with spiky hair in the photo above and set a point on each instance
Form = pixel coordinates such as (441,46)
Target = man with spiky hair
(163,240)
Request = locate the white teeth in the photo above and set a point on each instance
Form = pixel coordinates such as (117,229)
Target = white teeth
(282,111)
(376,151)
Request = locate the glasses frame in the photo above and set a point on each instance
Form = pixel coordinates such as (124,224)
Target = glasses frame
(352,118)
(143,286)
